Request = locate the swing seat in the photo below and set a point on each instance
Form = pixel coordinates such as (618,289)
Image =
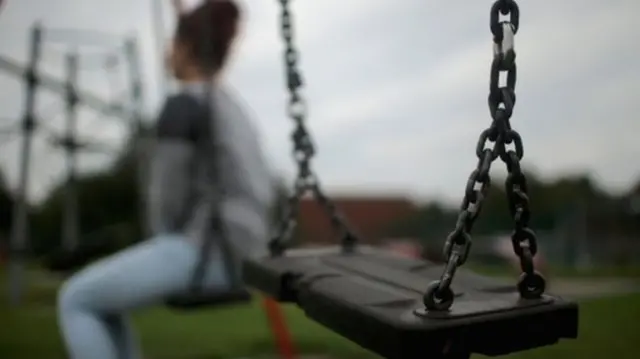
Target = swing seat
(374,298)
(196,301)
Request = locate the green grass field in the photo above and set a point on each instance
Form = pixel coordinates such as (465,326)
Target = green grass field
(608,329)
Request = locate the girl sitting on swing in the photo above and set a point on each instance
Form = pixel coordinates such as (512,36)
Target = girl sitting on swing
(191,150)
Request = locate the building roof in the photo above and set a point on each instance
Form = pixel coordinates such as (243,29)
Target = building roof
(369,216)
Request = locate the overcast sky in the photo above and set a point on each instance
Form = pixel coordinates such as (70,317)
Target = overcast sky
(397,89)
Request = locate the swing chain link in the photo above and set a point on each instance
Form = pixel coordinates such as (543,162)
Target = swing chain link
(501,103)
(303,151)
(492,144)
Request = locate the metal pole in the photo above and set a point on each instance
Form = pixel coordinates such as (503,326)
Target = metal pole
(19,227)
(70,227)
(139,135)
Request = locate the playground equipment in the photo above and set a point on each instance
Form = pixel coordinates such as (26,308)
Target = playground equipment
(74,254)
(378,300)
(127,108)
(381,301)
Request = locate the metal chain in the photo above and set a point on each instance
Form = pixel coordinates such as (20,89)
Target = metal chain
(303,151)
(492,144)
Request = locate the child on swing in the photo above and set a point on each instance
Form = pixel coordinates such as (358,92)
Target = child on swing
(191,151)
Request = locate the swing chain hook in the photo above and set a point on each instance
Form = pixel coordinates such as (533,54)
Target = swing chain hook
(492,145)
(306,181)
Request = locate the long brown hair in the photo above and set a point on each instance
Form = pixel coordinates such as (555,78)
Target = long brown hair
(208,32)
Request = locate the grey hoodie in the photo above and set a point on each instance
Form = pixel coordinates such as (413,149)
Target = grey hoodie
(208,170)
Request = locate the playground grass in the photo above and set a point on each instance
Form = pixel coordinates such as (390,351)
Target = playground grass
(609,328)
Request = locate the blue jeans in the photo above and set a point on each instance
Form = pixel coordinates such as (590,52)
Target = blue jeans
(94,303)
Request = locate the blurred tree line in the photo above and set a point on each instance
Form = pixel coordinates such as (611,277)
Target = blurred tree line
(109,216)
(108,209)
(573,210)
(548,201)
(5,207)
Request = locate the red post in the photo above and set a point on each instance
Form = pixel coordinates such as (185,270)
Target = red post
(279,329)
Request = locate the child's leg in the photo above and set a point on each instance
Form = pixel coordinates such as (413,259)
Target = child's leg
(93,303)
(122,335)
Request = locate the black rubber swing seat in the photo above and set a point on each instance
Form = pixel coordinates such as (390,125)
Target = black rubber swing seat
(374,298)
(195,301)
